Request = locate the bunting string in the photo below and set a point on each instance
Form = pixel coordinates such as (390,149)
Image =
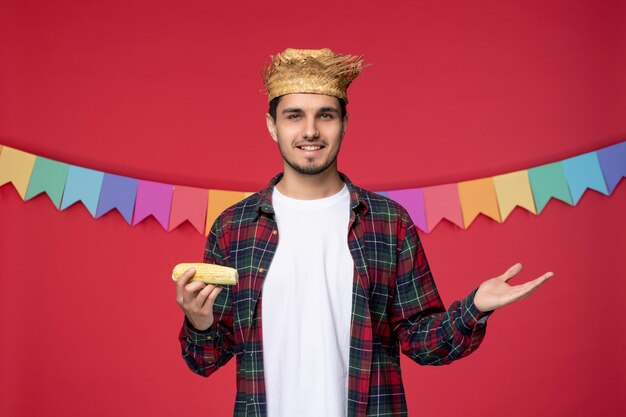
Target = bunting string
(171,205)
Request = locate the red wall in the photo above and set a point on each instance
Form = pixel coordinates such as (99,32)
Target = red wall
(169,91)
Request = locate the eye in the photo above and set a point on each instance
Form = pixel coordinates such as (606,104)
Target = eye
(326,116)
(293,116)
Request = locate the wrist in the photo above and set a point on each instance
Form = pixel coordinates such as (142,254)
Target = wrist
(199,337)
(197,327)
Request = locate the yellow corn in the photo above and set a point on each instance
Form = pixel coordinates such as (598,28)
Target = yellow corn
(208,273)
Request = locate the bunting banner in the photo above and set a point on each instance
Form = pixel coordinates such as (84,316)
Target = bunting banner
(171,205)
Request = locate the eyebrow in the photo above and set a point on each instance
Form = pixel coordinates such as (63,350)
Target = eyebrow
(292,110)
(299,110)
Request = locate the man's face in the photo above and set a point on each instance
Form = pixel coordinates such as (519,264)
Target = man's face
(304,120)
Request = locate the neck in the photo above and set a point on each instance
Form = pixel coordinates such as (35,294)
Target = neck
(309,187)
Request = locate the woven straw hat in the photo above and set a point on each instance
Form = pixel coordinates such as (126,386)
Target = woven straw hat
(317,71)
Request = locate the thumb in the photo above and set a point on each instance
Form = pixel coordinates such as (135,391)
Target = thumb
(511,272)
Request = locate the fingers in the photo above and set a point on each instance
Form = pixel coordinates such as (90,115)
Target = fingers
(184,278)
(539,281)
(191,290)
(200,302)
(195,294)
(208,298)
(201,296)
(524,290)
(511,272)
(527,292)
(193,287)
(185,291)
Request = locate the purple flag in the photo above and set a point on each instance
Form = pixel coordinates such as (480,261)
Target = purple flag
(117,192)
(613,162)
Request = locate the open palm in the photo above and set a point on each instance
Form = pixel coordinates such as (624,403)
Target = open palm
(496,292)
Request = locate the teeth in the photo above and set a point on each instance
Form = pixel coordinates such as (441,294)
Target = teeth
(310,148)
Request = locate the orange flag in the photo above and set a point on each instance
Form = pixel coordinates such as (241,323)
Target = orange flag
(478,196)
(220,200)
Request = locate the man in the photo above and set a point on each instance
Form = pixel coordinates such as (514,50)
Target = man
(333,279)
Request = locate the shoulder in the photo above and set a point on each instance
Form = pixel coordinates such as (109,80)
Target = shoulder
(381,206)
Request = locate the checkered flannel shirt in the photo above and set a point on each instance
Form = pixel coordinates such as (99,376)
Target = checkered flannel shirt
(395,304)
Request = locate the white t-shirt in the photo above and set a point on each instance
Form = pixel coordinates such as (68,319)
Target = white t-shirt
(307,298)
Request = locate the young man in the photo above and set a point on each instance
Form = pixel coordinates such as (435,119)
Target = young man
(333,279)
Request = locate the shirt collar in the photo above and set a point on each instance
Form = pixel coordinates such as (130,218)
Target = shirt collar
(264,203)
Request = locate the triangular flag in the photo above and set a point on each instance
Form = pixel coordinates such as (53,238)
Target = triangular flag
(549,181)
(117,192)
(613,162)
(82,185)
(218,201)
(16,167)
(189,203)
(513,189)
(413,201)
(153,198)
(478,196)
(442,201)
(582,172)
(48,176)
(383,193)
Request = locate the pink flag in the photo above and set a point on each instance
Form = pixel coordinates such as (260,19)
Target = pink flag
(413,201)
(189,203)
(153,198)
(442,201)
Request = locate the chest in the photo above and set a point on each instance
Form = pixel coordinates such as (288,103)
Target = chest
(371,245)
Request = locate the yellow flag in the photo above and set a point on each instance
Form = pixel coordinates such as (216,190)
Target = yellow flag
(16,166)
(513,189)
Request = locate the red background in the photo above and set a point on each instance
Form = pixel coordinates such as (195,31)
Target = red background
(169,91)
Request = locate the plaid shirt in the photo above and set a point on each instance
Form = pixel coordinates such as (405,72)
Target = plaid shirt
(395,304)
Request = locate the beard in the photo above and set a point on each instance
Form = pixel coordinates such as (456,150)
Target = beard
(310,168)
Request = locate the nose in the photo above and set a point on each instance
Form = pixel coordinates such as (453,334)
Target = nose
(310,129)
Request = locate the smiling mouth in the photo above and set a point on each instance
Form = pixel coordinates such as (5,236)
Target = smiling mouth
(310,148)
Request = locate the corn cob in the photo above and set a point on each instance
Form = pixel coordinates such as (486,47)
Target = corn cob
(208,273)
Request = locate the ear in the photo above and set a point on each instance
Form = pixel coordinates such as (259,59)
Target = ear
(271,126)
(345,124)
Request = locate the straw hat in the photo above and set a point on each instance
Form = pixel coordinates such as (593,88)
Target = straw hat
(317,71)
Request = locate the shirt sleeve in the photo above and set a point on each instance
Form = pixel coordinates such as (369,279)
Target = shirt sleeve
(208,350)
(427,332)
